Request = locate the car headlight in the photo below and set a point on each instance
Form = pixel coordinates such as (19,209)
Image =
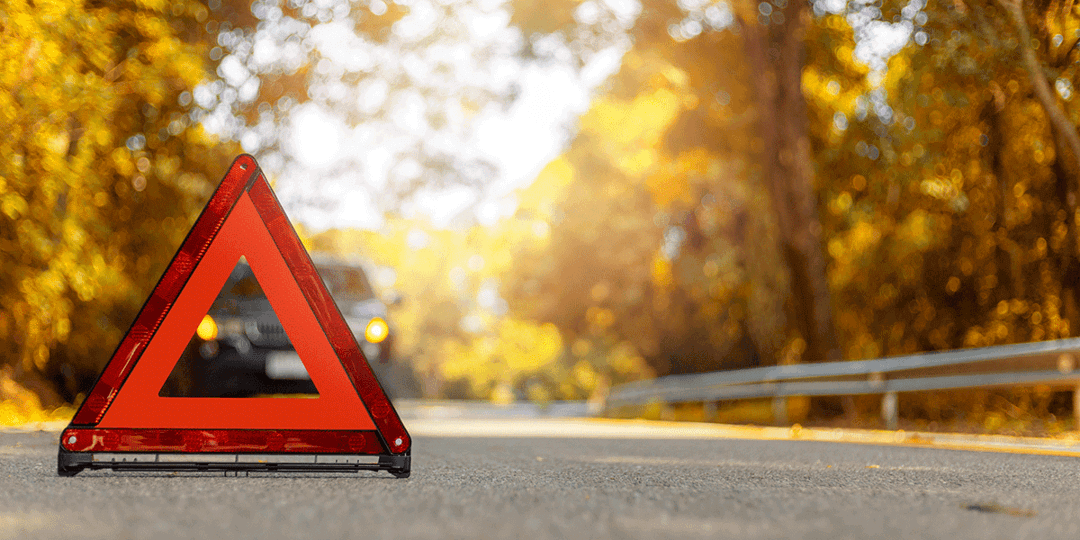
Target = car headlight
(207,329)
(376,330)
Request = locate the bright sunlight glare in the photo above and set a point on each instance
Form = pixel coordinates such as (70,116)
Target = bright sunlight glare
(316,136)
(451,110)
(444,119)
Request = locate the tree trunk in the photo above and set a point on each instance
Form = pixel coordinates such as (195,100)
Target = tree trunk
(777,53)
(1067,151)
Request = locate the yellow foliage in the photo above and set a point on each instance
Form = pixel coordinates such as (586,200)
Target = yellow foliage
(518,353)
(19,406)
(540,195)
(71,95)
(661,272)
(632,129)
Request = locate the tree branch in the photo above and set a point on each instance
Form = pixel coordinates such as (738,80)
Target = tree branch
(1058,118)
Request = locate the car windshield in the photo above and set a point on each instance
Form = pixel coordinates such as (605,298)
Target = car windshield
(242,283)
(346,283)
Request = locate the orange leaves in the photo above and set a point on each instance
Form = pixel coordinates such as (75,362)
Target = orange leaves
(661,272)
(543,17)
(20,406)
(517,356)
(13,205)
(832,92)
(631,136)
(539,197)
(454,327)
(669,185)
(154,5)
(853,251)
(634,126)
(72,91)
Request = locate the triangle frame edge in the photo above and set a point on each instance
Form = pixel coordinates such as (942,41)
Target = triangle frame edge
(243,177)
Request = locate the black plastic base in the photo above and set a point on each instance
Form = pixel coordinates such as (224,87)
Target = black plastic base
(72,463)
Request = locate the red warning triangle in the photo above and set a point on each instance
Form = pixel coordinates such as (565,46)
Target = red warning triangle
(124,412)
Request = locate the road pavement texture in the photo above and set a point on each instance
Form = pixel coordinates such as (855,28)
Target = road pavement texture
(558,479)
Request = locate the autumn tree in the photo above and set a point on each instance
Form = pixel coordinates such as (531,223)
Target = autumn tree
(642,241)
(950,178)
(775,45)
(455,331)
(101,172)
(743,267)
(939,143)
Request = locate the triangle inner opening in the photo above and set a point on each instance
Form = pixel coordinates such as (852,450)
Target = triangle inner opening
(240,349)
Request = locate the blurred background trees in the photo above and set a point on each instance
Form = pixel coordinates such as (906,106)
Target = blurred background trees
(926,193)
(751,183)
(392,96)
(951,206)
(101,170)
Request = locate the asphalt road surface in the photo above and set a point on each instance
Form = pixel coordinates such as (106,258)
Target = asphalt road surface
(512,485)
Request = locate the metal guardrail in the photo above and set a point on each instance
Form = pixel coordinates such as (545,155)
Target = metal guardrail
(1043,363)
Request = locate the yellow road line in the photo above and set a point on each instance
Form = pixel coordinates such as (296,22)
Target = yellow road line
(646,429)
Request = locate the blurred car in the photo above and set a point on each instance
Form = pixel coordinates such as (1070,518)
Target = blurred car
(241,349)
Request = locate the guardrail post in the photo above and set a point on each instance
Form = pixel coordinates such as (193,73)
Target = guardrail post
(889,413)
(779,410)
(708,411)
(1076,406)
